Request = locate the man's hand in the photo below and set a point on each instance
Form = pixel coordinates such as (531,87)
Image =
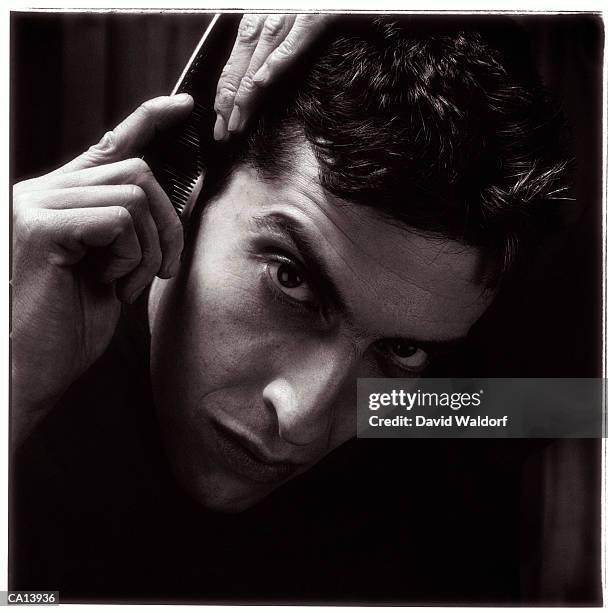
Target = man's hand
(85,237)
(265,47)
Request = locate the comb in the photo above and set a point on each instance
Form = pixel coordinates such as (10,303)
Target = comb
(179,157)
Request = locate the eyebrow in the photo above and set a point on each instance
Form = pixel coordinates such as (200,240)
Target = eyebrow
(279,223)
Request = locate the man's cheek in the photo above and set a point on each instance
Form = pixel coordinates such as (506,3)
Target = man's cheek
(235,328)
(229,298)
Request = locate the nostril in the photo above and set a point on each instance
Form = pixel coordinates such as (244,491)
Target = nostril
(303,406)
(297,433)
(270,408)
(278,395)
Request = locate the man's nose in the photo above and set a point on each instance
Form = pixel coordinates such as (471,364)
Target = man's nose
(305,392)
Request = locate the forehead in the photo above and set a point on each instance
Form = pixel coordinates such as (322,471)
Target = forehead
(395,280)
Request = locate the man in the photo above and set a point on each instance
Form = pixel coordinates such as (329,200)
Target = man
(359,229)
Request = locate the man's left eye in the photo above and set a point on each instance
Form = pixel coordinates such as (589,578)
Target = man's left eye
(290,279)
(406,354)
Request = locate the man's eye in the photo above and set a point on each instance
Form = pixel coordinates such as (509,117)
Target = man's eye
(406,354)
(290,280)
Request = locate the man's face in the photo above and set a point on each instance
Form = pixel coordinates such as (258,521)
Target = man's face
(288,298)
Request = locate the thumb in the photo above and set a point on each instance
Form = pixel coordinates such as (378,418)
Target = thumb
(129,138)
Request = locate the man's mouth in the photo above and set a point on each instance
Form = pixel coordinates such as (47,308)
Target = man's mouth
(244,457)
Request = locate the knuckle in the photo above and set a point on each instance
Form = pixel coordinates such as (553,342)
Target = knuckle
(225,95)
(285,50)
(123,217)
(108,144)
(136,195)
(246,87)
(138,168)
(249,28)
(149,107)
(273,26)
(29,225)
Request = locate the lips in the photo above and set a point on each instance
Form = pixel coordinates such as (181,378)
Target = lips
(243,457)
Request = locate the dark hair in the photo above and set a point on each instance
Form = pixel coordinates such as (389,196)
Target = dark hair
(439,123)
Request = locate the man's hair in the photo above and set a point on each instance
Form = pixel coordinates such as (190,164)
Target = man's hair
(439,123)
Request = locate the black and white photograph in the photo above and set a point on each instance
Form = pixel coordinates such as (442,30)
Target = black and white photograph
(224,225)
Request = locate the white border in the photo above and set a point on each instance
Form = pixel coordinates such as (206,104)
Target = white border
(604,472)
(452,6)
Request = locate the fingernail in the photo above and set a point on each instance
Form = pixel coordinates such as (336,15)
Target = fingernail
(219,130)
(235,119)
(261,75)
(181,98)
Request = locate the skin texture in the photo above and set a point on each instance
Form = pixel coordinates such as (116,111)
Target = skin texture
(250,352)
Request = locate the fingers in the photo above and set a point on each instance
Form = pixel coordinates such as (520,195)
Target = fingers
(130,137)
(111,227)
(306,29)
(257,37)
(274,31)
(65,236)
(228,84)
(266,46)
(168,228)
(134,263)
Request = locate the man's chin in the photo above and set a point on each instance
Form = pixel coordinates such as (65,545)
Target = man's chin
(228,505)
(225,493)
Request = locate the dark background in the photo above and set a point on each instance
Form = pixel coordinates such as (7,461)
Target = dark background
(74,76)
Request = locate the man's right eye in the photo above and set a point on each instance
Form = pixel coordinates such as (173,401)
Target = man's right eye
(288,277)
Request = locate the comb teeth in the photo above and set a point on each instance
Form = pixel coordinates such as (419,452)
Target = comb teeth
(179,157)
(183,163)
